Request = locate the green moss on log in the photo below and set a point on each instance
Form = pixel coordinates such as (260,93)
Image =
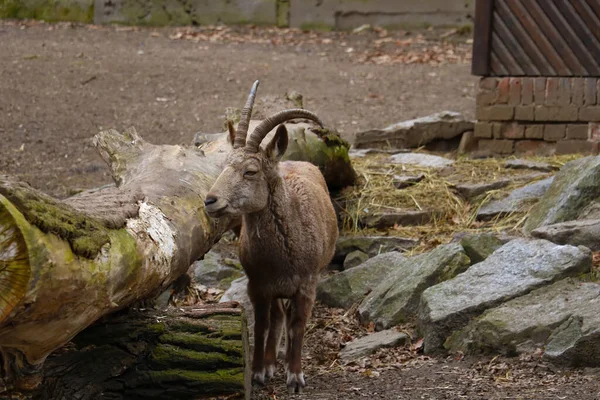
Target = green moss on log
(169,356)
(228,380)
(85,234)
(202,343)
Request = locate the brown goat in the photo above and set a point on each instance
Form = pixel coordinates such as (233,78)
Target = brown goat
(288,235)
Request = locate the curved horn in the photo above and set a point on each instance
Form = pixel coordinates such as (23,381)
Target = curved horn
(268,124)
(242,129)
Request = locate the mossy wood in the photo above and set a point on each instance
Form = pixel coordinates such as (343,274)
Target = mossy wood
(65,264)
(186,353)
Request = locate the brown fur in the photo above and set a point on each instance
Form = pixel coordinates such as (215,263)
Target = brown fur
(288,236)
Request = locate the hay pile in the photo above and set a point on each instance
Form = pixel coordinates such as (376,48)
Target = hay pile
(376,193)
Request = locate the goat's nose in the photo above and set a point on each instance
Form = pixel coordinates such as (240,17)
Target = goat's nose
(210,199)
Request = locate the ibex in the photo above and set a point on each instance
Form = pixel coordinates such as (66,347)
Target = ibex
(288,235)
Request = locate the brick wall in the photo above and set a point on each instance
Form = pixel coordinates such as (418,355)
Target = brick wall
(538,115)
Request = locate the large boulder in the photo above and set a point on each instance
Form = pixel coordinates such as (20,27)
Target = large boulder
(562,318)
(396,299)
(513,270)
(414,133)
(348,287)
(371,245)
(576,189)
(518,201)
(577,233)
(216,271)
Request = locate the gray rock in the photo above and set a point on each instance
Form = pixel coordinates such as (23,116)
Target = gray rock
(401,218)
(562,318)
(214,271)
(348,287)
(513,270)
(468,143)
(479,247)
(354,259)
(396,299)
(577,233)
(359,153)
(403,181)
(421,159)
(471,190)
(369,344)
(371,245)
(518,201)
(576,187)
(530,164)
(415,133)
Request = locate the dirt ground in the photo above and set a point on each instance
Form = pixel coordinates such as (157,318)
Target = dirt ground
(61,84)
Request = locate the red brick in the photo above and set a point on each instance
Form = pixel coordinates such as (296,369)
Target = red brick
(525,113)
(534,131)
(556,113)
(577,131)
(495,113)
(497,130)
(514,131)
(594,131)
(526,91)
(514,92)
(552,92)
(589,92)
(502,91)
(497,146)
(483,130)
(590,113)
(554,132)
(535,147)
(488,83)
(511,130)
(539,90)
(577,85)
(485,98)
(564,92)
(576,146)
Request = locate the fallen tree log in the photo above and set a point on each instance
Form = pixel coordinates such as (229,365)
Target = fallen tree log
(65,264)
(184,353)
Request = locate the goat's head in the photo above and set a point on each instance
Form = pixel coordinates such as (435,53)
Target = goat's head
(250,170)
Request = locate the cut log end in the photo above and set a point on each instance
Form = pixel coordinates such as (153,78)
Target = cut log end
(14,262)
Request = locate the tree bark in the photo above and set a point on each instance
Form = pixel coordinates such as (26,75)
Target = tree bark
(65,264)
(186,353)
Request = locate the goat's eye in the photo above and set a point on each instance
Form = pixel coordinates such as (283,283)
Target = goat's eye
(250,173)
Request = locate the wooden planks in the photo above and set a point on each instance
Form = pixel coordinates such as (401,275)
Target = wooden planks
(537,38)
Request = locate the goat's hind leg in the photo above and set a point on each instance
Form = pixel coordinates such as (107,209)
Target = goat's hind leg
(301,309)
(277,319)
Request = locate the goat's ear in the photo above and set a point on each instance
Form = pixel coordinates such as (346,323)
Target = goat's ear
(278,145)
(231,129)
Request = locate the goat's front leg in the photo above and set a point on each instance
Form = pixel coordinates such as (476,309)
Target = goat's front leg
(275,329)
(301,308)
(261,326)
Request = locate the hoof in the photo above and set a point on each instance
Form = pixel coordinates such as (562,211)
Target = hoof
(270,371)
(295,382)
(259,378)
